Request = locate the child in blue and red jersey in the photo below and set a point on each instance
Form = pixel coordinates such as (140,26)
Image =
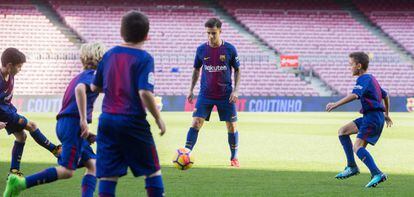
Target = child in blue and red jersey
(369,127)
(126,76)
(12,61)
(72,130)
(217,59)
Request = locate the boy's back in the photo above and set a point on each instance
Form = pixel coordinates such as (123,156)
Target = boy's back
(122,73)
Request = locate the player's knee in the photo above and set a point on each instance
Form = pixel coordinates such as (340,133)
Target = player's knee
(356,147)
(197,123)
(342,131)
(21,136)
(157,173)
(65,173)
(31,126)
(90,167)
(231,127)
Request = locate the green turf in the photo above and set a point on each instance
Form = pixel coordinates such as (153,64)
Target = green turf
(281,154)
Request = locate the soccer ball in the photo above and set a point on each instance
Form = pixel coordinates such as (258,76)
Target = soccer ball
(183,160)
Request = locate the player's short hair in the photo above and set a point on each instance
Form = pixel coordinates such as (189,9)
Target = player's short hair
(13,56)
(360,58)
(91,54)
(213,22)
(134,27)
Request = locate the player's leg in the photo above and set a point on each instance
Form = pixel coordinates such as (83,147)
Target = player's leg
(16,184)
(107,186)
(344,137)
(110,163)
(202,112)
(88,160)
(370,133)
(376,174)
(192,134)
(40,139)
(154,185)
(89,179)
(138,149)
(233,139)
(17,152)
(15,126)
(227,112)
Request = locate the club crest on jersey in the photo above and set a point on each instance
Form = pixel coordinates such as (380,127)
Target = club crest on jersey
(222,58)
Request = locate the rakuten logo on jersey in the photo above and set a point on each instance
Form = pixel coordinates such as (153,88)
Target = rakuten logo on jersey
(211,68)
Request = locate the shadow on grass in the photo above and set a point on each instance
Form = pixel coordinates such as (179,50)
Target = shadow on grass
(230,182)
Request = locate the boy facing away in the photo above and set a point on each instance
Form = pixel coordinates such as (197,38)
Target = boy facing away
(126,76)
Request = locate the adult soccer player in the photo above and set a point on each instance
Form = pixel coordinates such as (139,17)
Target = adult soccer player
(12,61)
(126,76)
(369,127)
(72,130)
(217,59)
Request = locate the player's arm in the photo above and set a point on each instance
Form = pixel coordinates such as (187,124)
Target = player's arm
(194,79)
(148,99)
(235,94)
(80,94)
(343,101)
(386,99)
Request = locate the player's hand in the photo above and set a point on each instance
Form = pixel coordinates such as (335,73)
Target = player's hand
(190,97)
(91,138)
(388,121)
(233,97)
(84,129)
(3,125)
(330,107)
(161,126)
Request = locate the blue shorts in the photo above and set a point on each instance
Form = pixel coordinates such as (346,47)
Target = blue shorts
(15,122)
(125,141)
(75,150)
(226,110)
(370,126)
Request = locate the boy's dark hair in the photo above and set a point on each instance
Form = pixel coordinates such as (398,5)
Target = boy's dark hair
(360,58)
(134,27)
(13,56)
(213,22)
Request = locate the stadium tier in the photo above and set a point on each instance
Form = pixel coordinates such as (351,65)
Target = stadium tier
(396,18)
(320,32)
(323,35)
(173,44)
(46,71)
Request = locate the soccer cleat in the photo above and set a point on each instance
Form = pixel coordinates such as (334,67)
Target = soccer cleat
(57,150)
(348,172)
(377,179)
(15,184)
(235,163)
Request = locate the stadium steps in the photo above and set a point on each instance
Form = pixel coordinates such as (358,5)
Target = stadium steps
(46,9)
(359,16)
(318,85)
(244,31)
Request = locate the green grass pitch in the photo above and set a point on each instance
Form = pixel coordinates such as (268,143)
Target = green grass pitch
(281,154)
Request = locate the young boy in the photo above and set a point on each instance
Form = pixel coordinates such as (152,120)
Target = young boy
(126,76)
(217,59)
(369,127)
(12,61)
(71,128)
